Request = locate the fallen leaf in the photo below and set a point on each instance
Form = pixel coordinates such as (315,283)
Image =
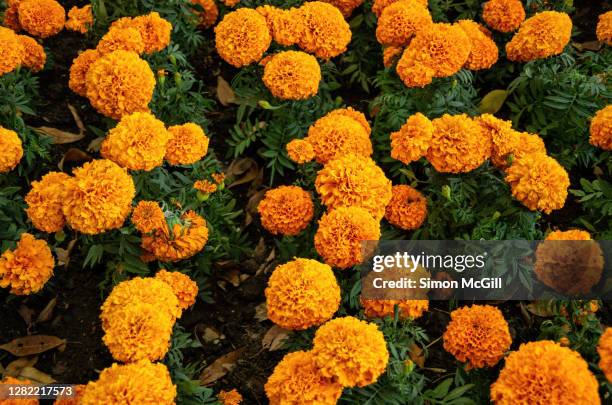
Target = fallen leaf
(94,145)
(275,338)
(261,312)
(232,276)
(59,136)
(47,311)
(74,155)
(14,368)
(225,94)
(542,308)
(26,314)
(493,101)
(588,46)
(208,334)
(36,376)
(416,354)
(63,255)
(35,344)
(241,171)
(77,119)
(251,207)
(220,367)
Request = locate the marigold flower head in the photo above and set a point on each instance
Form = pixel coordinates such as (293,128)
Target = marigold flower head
(503,15)
(182,240)
(242,37)
(80,19)
(141,382)
(218,178)
(34,56)
(138,142)
(286,210)
(28,267)
(187,145)
(124,39)
(340,351)
(539,182)
(98,198)
(297,380)
(209,14)
(484,52)
(346,7)
(232,397)
(325,33)
(12,51)
(545,373)
(353,180)
(45,200)
(11,15)
(572,234)
(478,335)
(335,135)
(413,309)
(391,54)
(413,74)
(41,18)
(78,71)
(185,289)
(341,231)
(604,348)
(292,75)
(543,35)
(354,114)
(21,401)
(284,25)
(11,150)
(400,21)
(302,293)
(300,151)
(148,216)
(380,5)
(407,209)
(205,186)
(154,30)
(411,142)
(604,28)
(458,144)
(601,128)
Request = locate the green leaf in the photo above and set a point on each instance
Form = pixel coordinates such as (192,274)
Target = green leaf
(493,101)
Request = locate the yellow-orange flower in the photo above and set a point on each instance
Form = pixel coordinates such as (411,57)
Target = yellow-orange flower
(181,240)
(218,177)
(391,54)
(11,150)
(11,15)
(604,28)
(503,15)
(543,35)
(209,14)
(297,380)
(380,5)
(154,30)
(572,234)
(148,216)
(45,201)
(242,37)
(124,39)
(28,267)
(353,180)
(188,144)
(78,71)
(302,293)
(458,144)
(354,114)
(407,308)
(412,140)
(484,52)
(601,128)
(138,142)
(340,234)
(604,348)
(142,382)
(346,7)
(325,33)
(80,19)
(185,289)
(98,198)
(205,186)
(20,401)
(292,75)
(545,373)
(478,335)
(400,21)
(41,18)
(286,210)
(300,151)
(407,209)
(232,397)
(34,56)
(12,51)
(539,182)
(284,25)
(341,352)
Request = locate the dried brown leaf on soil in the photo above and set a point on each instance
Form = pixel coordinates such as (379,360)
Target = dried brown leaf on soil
(74,155)
(225,94)
(417,355)
(242,171)
(26,313)
(261,312)
(36,376)
(275,338)
(251,207)
(95,144)
(59,136)
(77,118)
(47,312)
(35,344)
(220,367)
(14,368)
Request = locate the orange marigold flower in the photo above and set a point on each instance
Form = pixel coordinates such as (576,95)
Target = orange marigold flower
(98,198)
(458,144)
(11,150)
(21,401)
(407,308)
(604,28)
(353,180)
(120,83)
(148,216)
(341,231)
(187,145)
(335,135)
(142,382)
(400,21)
(302,293)
(45,201)
(28,267)
(297,380)
(503,15)
(544,373)
(124,39)
(138,142)
(78,71)
(285,25)
(79,391)
(242,37)
(205,186)
(340,353)
(80,19)
(572,234)
(325,33)
(292,75)
(346,7)
(380,5)
(154,30)
(11,15)
(182,240)
(539,182)
(286,210)
(505,140)
(218,177)
(232,397)
(601,128)
(478,335)
(604,348)
(35,56)
(41,18)
(209,14)
(412,140)
(354,114)
(391,54)
(12,51)
(484,52)
(407,209)
(185,289)
(543,35)
(300,151)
